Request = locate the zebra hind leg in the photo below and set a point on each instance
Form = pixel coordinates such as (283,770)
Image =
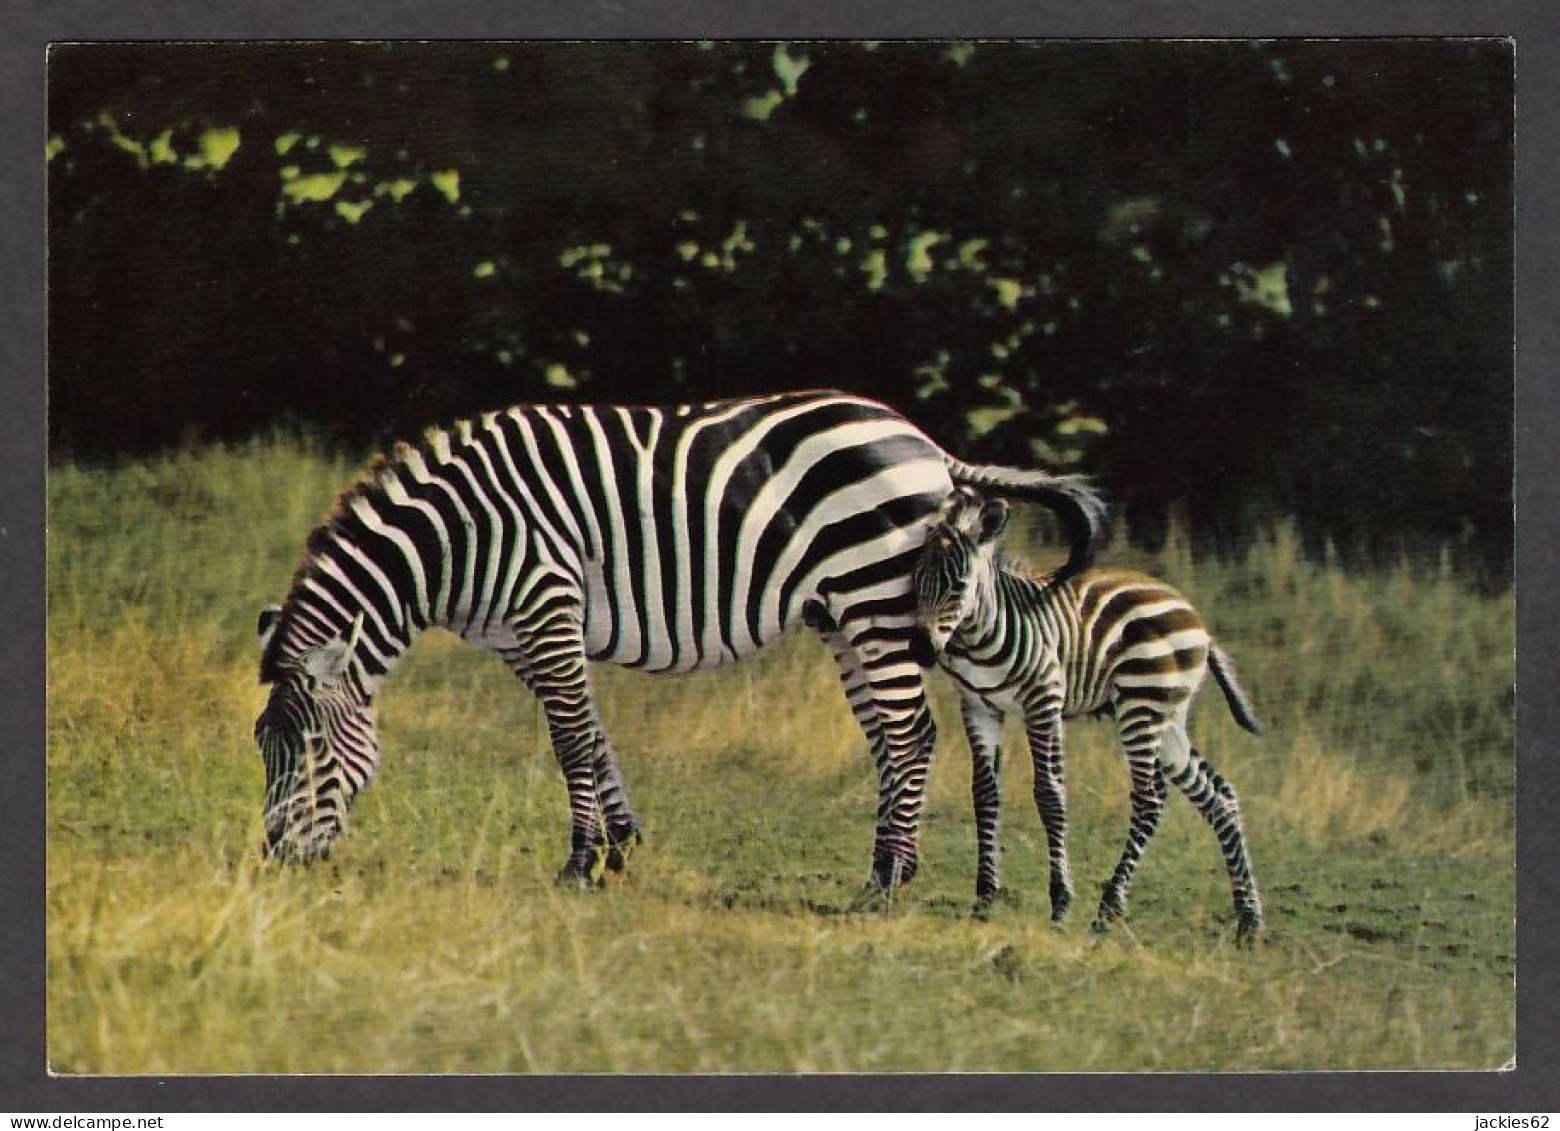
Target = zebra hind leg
(1045,749)
(1148,807)
(889,703)
(858,694)
(904,759)
(1216,800)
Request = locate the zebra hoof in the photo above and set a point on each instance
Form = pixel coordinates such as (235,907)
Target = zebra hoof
(1061,903)
(1104,919)
(890,873)
(988,901)
(872,898)
(1246,928)
(584,871)
(621,849)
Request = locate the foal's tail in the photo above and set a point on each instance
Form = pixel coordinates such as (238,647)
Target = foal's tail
(1235,695)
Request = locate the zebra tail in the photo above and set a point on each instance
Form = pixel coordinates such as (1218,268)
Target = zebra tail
(1080,508)
(1235,695)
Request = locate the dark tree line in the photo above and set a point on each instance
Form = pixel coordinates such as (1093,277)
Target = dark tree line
(1231,279)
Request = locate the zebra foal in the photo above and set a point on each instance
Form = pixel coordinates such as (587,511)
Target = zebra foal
(669,539)
(1096,641)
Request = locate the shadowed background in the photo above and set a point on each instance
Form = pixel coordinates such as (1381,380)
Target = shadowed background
(1227,277)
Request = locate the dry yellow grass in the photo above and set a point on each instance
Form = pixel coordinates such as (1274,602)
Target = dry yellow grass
(1380,812)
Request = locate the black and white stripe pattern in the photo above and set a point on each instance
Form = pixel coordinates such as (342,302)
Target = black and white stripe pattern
(666,539)
(1102,640)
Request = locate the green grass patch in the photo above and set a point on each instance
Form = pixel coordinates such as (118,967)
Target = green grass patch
(1379,810)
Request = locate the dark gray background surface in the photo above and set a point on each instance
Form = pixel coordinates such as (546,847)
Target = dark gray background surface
(26,27)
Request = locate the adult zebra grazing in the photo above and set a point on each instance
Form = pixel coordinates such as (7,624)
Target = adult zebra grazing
(667,539)
(1100,640)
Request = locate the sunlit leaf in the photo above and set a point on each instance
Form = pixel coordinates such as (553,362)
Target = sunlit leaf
(984,420)
(933,376)
(760,108)
(314,187)
(344,155)
(397,190)
(352,211)
(1009,291)
(789,69)
(161,150)
(970,252)
(737,241)
(918,259)
(217,146)
(120,141)
(1082,425)
(447,181)
(876,267)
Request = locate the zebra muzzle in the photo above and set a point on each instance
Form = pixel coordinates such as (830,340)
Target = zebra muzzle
(922,650)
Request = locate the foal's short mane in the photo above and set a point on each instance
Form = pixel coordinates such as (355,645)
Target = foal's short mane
(1019,567)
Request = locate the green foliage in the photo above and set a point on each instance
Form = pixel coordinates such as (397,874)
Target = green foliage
(1222,276)
(1379,807)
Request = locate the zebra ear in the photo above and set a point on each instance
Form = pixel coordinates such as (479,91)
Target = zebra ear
(993,519)
(959,510)
(269,616)
(961,499)
(327,663)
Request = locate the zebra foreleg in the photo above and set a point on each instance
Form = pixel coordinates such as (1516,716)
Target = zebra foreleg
(1215,799)
(610,798)
(553,665)
(983,727)
(1044,726)
(1148,807)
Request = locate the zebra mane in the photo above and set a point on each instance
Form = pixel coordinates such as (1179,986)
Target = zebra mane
(373,479)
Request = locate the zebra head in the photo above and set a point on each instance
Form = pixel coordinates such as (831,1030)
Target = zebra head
(318,741)
(955,570)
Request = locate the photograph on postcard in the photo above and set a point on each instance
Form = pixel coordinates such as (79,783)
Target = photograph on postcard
(682,477)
